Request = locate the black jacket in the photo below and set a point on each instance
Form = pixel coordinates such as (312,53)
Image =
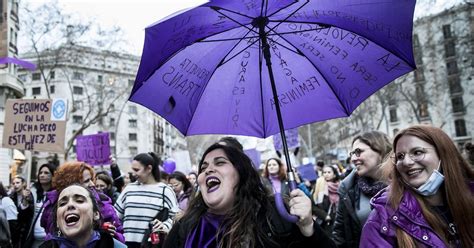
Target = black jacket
(284,234)
(347,227)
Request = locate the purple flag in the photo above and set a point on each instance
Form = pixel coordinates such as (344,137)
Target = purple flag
(23,63)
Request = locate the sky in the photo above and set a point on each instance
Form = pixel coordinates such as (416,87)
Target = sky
(134,15)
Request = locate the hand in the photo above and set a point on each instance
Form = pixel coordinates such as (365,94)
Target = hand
(113,161)
(159,226)
(300,205)
(110,228)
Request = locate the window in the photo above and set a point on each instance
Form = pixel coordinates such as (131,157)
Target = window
(454,85)
(460,126)
(112,135)
(52,89)
(77,90)
(131,82)
(132,137)
(78,105)
(77,119)
(111,121)
(132,123)
(133,150)
(52,74)
(36,76)
(77,75)
(452,67)
(447,31)
(449,49)
(458,104)
(419,76)
(36,91)
(423,109)
(393,115)
(132,109)
(112,149)
(100,78)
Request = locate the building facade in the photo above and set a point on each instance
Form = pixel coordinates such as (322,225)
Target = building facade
(96,85)
(10,85)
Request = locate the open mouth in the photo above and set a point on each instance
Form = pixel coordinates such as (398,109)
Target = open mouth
(212,184)
(71,219)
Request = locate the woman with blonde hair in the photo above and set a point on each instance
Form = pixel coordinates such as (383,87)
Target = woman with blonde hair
(429,202)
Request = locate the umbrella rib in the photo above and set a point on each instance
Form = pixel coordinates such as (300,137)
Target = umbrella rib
(256,36)
(230,18)
(284,20)
(289,49)
(231,11)
(223,61)
(365,37)
(322,75)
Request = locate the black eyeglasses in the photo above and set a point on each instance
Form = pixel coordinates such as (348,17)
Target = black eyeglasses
(356,152)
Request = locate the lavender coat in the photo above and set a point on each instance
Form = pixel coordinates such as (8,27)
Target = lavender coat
(107,213)
(379,230)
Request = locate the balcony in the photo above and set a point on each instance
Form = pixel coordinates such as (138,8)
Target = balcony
(9,81)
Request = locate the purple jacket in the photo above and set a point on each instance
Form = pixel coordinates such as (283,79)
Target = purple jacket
(107,213)
(379,230)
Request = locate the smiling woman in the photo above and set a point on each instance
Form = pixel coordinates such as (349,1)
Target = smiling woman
(77,218)
(234,209)
(430,200)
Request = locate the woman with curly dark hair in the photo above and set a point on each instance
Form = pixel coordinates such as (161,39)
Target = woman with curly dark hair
(233,209)
(81,173)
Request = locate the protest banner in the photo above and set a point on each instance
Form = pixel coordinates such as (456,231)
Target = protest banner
(292,139)
(93,149)
(307,172)
(35,124)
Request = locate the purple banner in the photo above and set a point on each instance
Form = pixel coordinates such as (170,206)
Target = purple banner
(23,63)
(307,172)
(292,139)
(93,149)
(254,155)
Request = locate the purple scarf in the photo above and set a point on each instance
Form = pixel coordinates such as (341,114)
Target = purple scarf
(205,233)
(276,183)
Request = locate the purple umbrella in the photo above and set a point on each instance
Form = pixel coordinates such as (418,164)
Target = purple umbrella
(259,67)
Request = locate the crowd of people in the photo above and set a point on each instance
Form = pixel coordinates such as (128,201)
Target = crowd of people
(414,191)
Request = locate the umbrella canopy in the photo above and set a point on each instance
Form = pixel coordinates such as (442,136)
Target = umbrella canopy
(205,70)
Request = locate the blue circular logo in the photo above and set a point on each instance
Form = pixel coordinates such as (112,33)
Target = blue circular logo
(59,109)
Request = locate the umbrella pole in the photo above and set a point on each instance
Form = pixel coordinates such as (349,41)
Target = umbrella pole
(261,22)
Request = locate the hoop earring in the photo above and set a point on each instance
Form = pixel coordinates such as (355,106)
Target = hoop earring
(59,233)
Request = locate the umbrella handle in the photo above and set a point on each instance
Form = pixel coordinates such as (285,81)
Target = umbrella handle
(280,205)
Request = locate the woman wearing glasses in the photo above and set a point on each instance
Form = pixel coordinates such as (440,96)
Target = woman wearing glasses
(355,191)
(430,199)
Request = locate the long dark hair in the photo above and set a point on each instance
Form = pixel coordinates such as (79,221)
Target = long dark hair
(251,209)
(457,176)
(37,184)
(3,191)
(152,159)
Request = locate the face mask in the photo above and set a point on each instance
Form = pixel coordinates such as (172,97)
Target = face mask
(431,186)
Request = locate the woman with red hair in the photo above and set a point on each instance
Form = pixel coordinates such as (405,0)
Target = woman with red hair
(71,173)
(429,202)
(274,177)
